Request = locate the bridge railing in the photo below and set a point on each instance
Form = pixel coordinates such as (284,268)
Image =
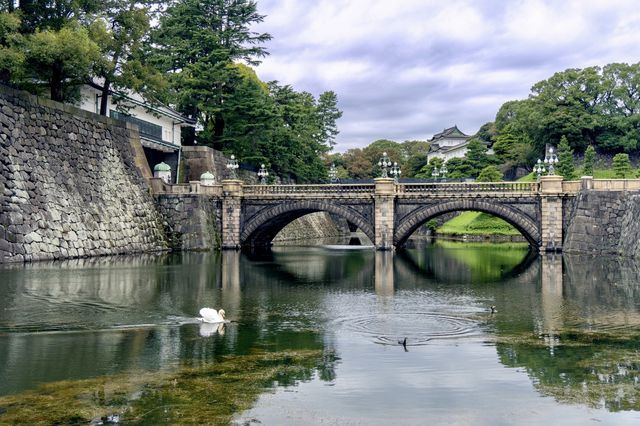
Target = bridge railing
(462,187)
(308,189)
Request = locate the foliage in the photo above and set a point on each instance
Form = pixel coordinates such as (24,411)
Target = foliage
(622,165)
(427,171)
(476,156)
(589,158)
(11,56)
(489,174)
(459,168)
(194,44)
(565,167)
(63,58)
(591,106)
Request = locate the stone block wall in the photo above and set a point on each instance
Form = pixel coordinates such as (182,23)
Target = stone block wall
(69,184)
(193,221)
(604,222)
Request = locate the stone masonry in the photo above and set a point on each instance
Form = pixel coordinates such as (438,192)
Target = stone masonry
(69,184)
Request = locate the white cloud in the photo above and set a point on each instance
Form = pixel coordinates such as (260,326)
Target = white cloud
(408,69)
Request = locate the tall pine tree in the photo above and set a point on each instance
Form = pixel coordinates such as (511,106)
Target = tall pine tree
(565,168)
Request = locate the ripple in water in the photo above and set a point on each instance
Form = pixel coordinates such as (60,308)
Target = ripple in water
(418,327)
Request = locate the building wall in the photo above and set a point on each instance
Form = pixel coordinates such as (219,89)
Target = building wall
(170,131)
(70,184)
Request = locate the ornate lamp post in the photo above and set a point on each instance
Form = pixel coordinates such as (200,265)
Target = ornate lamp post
(435,173)
(443,171)
(550,159)
(539,169)
(395,172)
(263,174)
(232,166)
(333,173)
(384,163)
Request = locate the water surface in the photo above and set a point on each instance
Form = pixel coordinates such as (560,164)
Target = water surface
(562,348)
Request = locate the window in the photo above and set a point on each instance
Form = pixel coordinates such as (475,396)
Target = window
(149,130)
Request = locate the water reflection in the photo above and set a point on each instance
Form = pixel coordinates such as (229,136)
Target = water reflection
(572,323)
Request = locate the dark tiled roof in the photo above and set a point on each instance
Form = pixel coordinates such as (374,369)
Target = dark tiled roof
(451,132)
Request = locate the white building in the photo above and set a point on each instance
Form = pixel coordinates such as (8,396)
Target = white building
(160,126)
(448,144)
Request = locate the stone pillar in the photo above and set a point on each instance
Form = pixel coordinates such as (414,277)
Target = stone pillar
(586,182)
(551,223)
(231,203)
(384,213)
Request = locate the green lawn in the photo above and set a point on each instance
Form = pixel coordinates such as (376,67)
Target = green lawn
(477,223)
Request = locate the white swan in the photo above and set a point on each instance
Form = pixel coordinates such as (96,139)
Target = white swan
(211,316)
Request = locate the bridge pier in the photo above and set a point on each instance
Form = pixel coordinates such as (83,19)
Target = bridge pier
(384,200)
(551,214)
(231,211)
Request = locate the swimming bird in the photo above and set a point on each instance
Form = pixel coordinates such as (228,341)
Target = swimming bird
(493,309)
(212,316)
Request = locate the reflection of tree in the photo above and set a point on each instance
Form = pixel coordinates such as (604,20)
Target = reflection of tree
(468,262)
(582,344)
(584,370)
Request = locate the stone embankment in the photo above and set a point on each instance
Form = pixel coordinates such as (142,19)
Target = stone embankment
(70,184)
(603,223)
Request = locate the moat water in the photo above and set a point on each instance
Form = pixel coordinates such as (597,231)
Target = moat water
(562,348)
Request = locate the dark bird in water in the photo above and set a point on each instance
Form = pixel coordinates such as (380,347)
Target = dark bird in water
(403,342)
(493,309)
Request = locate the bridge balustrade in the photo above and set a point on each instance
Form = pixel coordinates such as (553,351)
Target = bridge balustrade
(308,189)
(462,187)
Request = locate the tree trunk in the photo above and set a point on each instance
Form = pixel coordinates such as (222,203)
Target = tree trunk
(104,99)
(57,89)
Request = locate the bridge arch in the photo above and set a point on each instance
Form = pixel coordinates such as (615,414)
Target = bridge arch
(527,227)
(263,227)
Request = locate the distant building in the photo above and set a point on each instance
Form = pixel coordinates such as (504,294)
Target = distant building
(160,126)
(450,143)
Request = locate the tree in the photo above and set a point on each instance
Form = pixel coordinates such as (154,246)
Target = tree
(427,171)
(193,45)
(11,56)
(328,114)
(589,159)
(566,168)
(63,59)
(120,31)
(489,174)
(476,156)
(622,165)
(459,168)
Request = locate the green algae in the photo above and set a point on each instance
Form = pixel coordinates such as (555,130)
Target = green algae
(596,369)
(211,394)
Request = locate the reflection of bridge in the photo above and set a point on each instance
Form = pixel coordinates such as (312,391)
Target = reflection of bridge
(388,213)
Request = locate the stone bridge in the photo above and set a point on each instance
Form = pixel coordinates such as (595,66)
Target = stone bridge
(388,212)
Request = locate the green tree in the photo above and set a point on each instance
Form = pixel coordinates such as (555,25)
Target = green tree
(566,168)
(459,168)
(328,113)
(193,45)
(476,156)
(489,174)
(63,59)
(11,55)
(589,159)
(120,30)
(622,165)
(427,171)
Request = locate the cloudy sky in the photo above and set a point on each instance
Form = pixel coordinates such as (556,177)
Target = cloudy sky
(406,69)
